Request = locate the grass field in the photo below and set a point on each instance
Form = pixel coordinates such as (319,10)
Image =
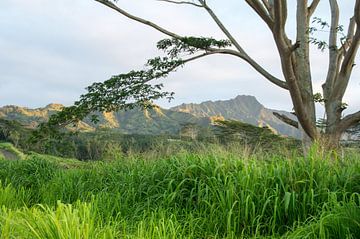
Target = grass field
(216,193)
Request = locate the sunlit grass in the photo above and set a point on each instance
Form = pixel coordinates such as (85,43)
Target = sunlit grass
(212,194)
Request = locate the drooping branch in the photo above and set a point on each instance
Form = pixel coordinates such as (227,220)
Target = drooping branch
(286,120)
(263,72)
(349,121)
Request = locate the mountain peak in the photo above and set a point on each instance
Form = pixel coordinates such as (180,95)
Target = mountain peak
(244,108)
(240,97)
(54,106)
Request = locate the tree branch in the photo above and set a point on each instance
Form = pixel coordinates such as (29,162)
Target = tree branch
(263,72)
(349,37)
(208,53)
(138,19)
(242,54)
(286,120)
(262,10)
(181,2)
(333,67)
(349,58)
(267,5)
(222,27)
(354,46)
(351,28)
(280,13)
(349,121)
(312,7)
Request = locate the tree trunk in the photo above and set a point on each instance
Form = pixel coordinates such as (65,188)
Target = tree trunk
(306,142)
(329,143)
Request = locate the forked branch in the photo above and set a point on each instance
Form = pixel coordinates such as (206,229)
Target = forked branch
(263,10)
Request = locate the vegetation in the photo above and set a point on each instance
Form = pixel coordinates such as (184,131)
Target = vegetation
(105,143)
(228,131)
(7,149)
(218,192)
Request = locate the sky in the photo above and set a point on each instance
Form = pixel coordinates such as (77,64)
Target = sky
(51,50)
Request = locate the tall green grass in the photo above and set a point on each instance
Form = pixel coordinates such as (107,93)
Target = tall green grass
(214,194)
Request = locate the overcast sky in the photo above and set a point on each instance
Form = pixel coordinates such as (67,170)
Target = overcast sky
(51,50)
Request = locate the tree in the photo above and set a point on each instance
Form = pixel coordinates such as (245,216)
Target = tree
(133,89)
(229,131)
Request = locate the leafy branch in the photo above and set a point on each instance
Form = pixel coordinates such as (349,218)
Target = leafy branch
(133,89)
(323,26)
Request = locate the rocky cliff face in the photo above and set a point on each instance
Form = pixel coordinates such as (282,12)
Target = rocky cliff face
(161,121)
(243,108)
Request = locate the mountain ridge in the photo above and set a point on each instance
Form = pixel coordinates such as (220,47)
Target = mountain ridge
(245,108)
(158,120)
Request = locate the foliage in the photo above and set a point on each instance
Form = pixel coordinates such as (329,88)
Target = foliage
(174,48)
(231,130)
(105,143)
(14,132)
(324,26)
(8,147)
